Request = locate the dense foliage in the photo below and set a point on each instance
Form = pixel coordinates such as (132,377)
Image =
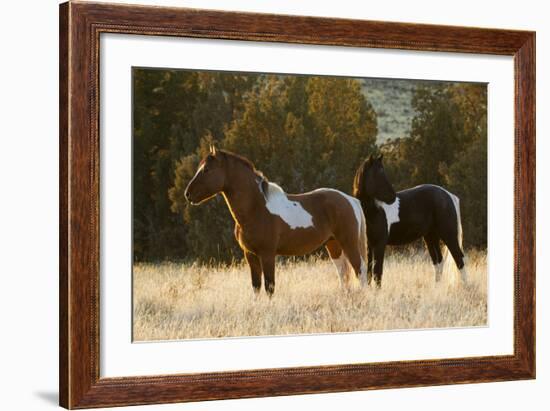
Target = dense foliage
(303,133)
(447,146)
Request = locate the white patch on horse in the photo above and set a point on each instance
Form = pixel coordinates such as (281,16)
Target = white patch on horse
(355,204)
(291,212)
(391,211)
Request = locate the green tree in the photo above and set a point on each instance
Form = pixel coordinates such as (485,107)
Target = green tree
(437,134)
(467,178)
(162,99)
(448,147)
(305,133)
(345,128)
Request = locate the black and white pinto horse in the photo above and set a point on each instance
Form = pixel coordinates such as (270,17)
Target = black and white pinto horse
(426,211)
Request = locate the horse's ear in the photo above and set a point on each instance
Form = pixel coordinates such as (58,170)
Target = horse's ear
(379,159)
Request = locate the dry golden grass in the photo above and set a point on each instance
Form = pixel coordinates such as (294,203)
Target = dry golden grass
(178,301)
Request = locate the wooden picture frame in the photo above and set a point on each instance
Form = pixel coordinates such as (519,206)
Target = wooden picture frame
(80,27)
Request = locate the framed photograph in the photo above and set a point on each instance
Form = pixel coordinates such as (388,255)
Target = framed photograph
(258,205)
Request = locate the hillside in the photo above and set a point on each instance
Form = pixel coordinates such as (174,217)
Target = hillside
(391,99)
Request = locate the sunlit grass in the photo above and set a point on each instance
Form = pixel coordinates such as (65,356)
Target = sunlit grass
(178,301)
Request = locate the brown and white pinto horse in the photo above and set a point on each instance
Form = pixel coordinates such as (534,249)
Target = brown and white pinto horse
(269,222)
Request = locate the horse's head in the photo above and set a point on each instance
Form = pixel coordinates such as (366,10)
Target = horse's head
(209,179)
(371,181)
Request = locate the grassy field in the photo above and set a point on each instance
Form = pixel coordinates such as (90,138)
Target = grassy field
(179,301)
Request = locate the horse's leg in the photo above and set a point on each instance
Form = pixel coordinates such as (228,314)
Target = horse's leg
(458,256)
(369,264)
(378,251)
(339,259)
(268,267)
(351,251)
(434,248)
(255,270)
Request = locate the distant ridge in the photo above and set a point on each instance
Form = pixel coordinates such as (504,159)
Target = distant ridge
(392,101)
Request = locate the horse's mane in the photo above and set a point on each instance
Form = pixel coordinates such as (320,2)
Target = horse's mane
(358,180)
(242,160)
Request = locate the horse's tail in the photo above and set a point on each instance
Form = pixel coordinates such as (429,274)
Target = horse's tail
(448,262)
(456,202)
(363,248)
(363,245)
